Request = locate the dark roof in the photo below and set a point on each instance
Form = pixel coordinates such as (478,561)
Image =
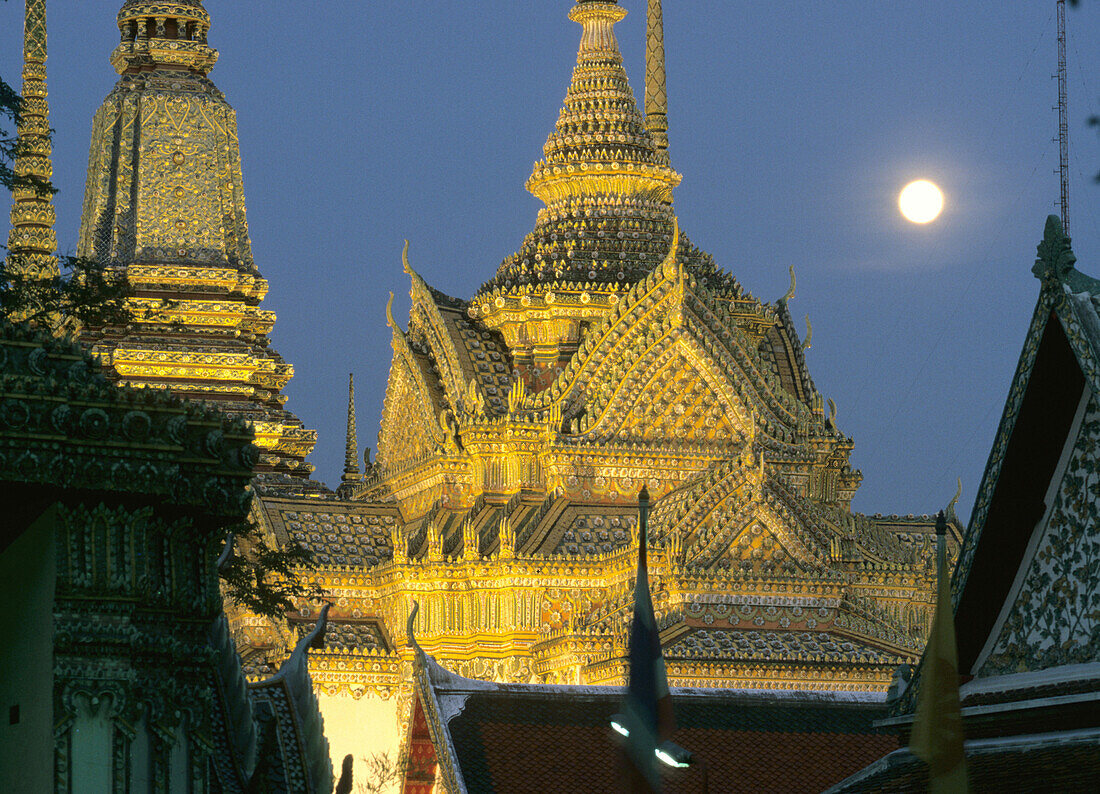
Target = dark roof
(340,534)
(1054,762)
(347,635)
(533,738)
(747,644)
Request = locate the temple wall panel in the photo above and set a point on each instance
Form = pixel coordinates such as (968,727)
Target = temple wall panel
(1051,617)
(27,570)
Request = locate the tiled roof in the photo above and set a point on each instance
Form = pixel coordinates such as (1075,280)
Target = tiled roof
(738,643)
(338,534)
(348,635)
(595,533)
(553,739)
(1069,762)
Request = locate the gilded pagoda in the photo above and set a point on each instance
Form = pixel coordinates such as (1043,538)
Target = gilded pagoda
(164,206)
(607,354)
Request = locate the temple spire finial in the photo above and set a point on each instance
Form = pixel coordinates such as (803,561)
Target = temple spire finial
(164,35)
(656,94)
(32,240)
(351,452)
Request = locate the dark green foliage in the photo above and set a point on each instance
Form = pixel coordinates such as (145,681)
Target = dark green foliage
(10,105)
(86,293)
(263,577)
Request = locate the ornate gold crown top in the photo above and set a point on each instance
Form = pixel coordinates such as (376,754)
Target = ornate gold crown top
(164,34)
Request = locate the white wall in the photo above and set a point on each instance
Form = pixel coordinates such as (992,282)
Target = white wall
(363,728)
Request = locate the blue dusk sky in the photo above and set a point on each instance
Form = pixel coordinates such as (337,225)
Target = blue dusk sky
(795,124)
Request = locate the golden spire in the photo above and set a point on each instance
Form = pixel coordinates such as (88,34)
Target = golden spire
(351,451)
(601,145)
(656,95)
(606,186)
(32,240)
(164,207)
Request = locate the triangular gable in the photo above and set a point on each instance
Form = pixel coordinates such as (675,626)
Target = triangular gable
(1051,615)
(429,751)
(410,427)
(667,306)
(1057,361)
(466,355)
(419,762)
(678,395)
(735,517)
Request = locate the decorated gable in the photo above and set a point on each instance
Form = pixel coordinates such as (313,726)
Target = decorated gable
(1054,618)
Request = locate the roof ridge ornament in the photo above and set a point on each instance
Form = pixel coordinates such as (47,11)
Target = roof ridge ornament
(788,296)
(1055,260)
(951,514)
(392,323)
(405,260)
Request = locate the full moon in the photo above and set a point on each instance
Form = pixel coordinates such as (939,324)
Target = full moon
(921,201)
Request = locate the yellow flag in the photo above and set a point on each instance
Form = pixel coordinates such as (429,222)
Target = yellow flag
(937,735)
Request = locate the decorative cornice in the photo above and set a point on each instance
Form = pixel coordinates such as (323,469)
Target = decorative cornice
(63,424)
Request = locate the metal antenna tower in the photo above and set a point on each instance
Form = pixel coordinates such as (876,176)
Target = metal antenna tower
(1063,122)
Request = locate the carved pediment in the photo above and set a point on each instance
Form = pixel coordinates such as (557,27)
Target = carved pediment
(675,397)
(410,429)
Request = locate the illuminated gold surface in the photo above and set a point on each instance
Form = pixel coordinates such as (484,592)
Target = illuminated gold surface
(178,231)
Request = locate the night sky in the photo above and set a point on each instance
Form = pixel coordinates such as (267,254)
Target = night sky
(794,124)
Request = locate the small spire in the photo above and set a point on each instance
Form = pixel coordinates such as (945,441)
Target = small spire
(32,240)
(656,94)
(351,453)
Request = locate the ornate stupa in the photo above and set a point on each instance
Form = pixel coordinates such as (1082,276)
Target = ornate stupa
(32,240)
(607,354)
(164,205)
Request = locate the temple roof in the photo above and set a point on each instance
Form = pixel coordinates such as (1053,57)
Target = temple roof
(1025,604)
(1066,761)
(1059,362)
(541,738)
